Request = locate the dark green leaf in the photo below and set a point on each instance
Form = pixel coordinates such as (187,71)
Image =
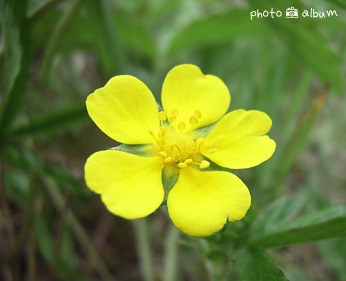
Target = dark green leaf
(276,214)
(328,223)
(253,264)
(304,39)
(16,31)
(26,159)
(333,254)
(135,36)
(54,122)
(340,3)
(216,29)
(105,35)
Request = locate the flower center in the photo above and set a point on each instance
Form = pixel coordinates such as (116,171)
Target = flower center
(175,143)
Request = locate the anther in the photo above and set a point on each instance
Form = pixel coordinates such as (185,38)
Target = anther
(163,154)
(182,165)
(181,126)
(213,150)
(193,120)
(162,116)
(172,119)
(168,159)
(188,161)
(162,132)
(175,112)
(198,114)
(204,164)
(151,132)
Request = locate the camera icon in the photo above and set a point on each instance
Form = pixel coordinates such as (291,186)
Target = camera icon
(291,13)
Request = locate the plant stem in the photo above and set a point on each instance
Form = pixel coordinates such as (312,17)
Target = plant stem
(171,269)
(143,248)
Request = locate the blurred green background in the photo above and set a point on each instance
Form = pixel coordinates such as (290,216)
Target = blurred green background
(54,53)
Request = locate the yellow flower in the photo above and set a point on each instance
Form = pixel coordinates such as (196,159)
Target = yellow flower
(176,146)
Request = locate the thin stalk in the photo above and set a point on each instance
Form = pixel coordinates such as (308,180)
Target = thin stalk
(57,36)
(31,272)
(143,248)
(81,236)
(171,269)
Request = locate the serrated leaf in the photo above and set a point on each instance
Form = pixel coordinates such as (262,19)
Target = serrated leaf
(325,224)
(253,264)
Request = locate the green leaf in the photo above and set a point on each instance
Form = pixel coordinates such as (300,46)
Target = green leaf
(340,3)
(298,141)
(135,36)
(16,30)
(214,29)
(334,256)
(54,122)
(276,214)
(57,36)
(24,158)
(325,224)
(304,39)
(105,35)
(253,264)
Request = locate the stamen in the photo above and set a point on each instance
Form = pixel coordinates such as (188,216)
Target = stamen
(204,164)
(188,161)
(181,126)
(175,112)
(198,114)
(182,165)
(174,145)
(193,120)
(152,134)
(163,154)
(213,150)
(199,142)
(172,119)
(162,132)
(162,116)
(168,159)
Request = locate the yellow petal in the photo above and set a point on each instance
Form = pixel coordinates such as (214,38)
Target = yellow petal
(237,141)
(200,202)
(130,185)
(187,89)
(124,109)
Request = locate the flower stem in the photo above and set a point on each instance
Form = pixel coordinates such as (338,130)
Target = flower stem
(143,248)
(171,269)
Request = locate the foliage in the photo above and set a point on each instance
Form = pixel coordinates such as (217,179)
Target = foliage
(53,53)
